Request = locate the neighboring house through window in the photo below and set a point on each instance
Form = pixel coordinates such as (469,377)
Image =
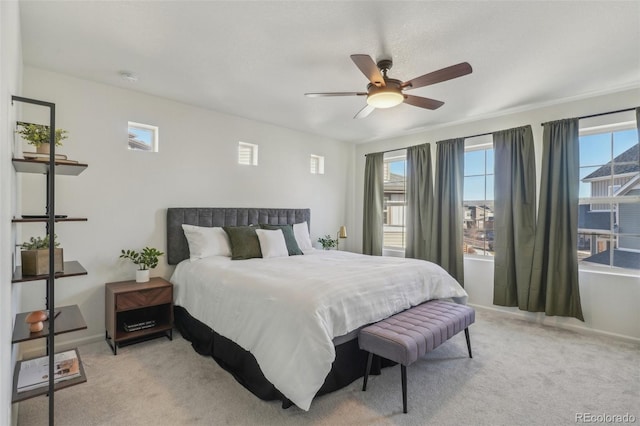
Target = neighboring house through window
(395,172)
(609,210)
(478,197)
(143,137)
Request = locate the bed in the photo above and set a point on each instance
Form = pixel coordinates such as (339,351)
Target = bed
(286,327)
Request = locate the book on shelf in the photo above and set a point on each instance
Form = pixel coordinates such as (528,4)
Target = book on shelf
(34,373)
(139,325)
(58,161)
(34,155)
(60,158)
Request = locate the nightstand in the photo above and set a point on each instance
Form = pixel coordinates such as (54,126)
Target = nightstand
(138,311)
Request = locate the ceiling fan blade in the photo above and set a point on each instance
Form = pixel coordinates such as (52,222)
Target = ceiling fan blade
(422,102)
(369,69)
(454,71)
(317,95)
(364,112)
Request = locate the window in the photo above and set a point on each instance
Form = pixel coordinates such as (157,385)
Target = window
(247,154)
(317,164)
(395,171)
(609,206)
(478,196)
(143,137)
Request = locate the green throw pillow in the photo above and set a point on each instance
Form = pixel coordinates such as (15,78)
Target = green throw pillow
(289,237)
(244,242)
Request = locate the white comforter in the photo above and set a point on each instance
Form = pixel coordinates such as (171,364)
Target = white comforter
(287,310)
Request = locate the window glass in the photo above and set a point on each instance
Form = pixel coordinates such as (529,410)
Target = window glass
(247,154)
(143,137)
(317,164)
(478,198)
(394,208)
(609,206)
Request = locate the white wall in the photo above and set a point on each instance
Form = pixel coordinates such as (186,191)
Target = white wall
(10,81)
(124,194)
(609,301)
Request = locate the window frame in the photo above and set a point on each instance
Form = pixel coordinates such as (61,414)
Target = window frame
(391,157)
(609,237)
(253,153)
(480,143)
(319,167)
(155,132)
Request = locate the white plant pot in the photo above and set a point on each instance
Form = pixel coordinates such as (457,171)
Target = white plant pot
(142,275)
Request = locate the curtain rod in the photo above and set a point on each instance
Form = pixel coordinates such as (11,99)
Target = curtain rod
(407,147)
(599,114)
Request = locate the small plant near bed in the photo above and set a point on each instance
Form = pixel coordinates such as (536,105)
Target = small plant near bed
(327,242)
(35,256)
(146,259)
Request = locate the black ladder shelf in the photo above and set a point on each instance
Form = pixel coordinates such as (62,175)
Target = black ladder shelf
(69,317)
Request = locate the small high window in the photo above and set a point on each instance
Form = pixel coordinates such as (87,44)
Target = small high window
(143,137)
(247,154)
(317,164)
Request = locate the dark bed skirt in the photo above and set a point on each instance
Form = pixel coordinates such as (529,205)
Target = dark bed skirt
(348,366)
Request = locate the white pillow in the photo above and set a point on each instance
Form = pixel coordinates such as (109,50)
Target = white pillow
(206,241)
(301,232)
(272,243)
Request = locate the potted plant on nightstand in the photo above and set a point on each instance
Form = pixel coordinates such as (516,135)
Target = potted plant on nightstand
(327,242)
(38,136)
(35,256)
(146,259)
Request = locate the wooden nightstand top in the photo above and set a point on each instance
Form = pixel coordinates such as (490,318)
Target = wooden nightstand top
(132,285)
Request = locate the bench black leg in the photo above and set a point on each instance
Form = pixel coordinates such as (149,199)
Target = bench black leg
(366,372)
(403,371)
(466,334)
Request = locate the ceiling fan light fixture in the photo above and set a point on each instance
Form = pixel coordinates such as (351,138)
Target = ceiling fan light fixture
(385,98)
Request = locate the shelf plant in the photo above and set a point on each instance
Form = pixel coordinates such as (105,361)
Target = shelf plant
(38,135)
(35,256)
(145,259)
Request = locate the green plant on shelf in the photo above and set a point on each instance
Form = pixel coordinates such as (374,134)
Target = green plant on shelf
(147,258)
(38,243)
(38,134)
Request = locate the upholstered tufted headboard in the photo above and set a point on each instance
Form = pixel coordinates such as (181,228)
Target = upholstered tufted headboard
(177,247)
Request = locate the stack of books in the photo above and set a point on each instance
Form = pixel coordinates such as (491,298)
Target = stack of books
(60,158)
(34,373)
(139,325)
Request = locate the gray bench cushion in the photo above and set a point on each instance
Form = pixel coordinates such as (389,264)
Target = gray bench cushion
(406,336)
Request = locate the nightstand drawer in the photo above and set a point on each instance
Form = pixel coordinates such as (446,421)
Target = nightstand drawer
(142,298)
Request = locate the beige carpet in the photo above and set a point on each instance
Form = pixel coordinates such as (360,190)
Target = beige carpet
(521,374)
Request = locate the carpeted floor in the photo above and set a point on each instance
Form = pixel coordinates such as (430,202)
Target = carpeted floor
(521,374)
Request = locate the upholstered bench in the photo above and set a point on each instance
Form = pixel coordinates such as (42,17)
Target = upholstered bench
(408,335)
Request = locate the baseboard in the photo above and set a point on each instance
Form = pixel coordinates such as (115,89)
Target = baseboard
(541,318)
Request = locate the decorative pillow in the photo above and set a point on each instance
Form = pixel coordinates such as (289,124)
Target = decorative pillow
(244,242)
(301,232)
(206,241)
(272,243)
(289,237)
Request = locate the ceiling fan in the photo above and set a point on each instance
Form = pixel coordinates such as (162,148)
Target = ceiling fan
(385,92)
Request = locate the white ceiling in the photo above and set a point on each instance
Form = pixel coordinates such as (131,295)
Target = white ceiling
(257,59)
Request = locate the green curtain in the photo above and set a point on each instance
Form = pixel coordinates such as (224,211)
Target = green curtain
(447,241)
(514,215)
(554,275)
(419,202)
(372,221)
